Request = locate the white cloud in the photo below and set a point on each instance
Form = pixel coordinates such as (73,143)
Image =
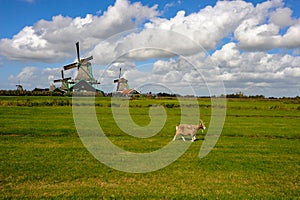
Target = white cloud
(257,71)
(281,17)
(32,77)
(291,39)
(228,56)
(54,40)
(181,64)
(252,36)
(149,43)
(210,25)
(255,33)
(180,35)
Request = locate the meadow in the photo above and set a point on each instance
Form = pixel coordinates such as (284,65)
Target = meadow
(256,157)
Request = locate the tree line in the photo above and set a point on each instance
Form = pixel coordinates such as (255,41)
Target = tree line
(57,93)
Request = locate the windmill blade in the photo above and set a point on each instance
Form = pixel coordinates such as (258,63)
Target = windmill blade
(62,80)
(62,74)
(66,79)
(57,80)
(120,72)
(70,66)
(117,80)
(77,49)
(86,59)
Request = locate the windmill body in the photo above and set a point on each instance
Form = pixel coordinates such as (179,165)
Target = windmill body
(19,88)
(122,85)
(85,73)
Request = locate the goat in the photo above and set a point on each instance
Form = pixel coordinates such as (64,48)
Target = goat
(188,129)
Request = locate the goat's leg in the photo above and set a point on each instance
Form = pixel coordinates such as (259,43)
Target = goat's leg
(177,133)
(193,138)
(182,137)
(175,137)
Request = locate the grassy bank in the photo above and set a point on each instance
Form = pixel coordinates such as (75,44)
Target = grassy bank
(257,155)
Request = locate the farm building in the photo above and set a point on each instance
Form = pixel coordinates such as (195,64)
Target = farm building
(83,86)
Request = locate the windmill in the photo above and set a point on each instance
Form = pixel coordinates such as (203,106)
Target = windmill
(122,86)
(84,79)
(64,81)
(122,83)
(19,87)
(84,68)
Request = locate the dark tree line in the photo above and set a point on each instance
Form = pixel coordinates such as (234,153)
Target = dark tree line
(29,93)
(241,95)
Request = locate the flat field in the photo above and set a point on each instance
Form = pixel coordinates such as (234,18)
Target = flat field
(256,157)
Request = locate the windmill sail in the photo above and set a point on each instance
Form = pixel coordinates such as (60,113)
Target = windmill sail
(70,66)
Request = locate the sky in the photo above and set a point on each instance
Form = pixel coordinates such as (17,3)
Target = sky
(201,48)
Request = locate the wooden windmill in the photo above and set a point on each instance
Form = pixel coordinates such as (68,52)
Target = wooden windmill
(84,68)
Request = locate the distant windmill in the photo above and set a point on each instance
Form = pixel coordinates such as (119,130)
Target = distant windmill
(122,83)
(19,87)
(123,88)
(64,81)
(84,68)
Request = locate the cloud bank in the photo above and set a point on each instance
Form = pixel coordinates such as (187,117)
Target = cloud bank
(252,48)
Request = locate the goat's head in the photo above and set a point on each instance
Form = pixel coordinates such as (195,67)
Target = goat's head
(201,125)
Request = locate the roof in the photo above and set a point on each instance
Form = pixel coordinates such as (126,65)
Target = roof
(84,86)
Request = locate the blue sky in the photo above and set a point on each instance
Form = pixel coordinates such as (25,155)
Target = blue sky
(275,62)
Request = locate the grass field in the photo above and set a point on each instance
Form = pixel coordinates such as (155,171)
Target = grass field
(256,157)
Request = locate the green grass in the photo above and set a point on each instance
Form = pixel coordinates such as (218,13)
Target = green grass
(42,157)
